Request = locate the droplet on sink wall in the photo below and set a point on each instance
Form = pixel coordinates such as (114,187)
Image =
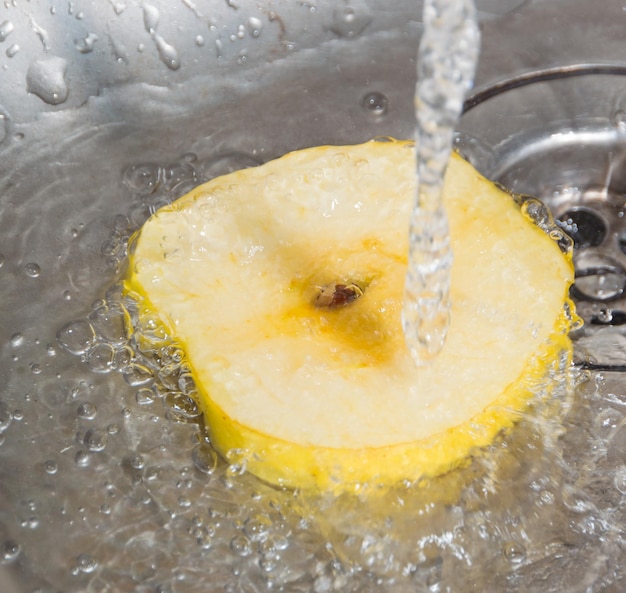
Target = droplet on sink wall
(46,79)
(6,28)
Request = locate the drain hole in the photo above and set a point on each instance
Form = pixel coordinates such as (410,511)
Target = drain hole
(599,284)
(585,228)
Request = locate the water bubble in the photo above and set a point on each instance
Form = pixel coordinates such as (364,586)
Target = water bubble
(36,368)
(33,270)
(167,53)
(16,340)
(31,523)
(18,414)
(199,41)
(142,179)
(86,44)
(12,50)
(76,337)
(257,526)
(2,258)
(145,396)
(82,458)
(351,20)
(182,406)
(255,25)
(85,563)
(50,467)
(9,550)
(514,552)
(100,358)
(375,104)
(105,509)
(6,28)
(137,374)
(6,417)
(137,461)
(87,411)
(241,545)
(204,458)
(95,440)
(151,17)
(46,79)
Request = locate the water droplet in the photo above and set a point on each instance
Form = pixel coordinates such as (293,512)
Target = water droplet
(33,270)
(6,28)
(375,104)
(137,374)
(182,406)
(241,545)
(86,563)
(204,458)
(10,550)
(16,340)
(86,44)
(255,26)
(18,415)
(31,523)
(151,17)
(6,417)
(96,440)
(82,458)
(145,396)
(100,358)
(137,461)
(142,179)
(12,50)
(257,526)
(351,20)
(113,428)
(46,79)
(199,41)
(87,411)
(167,53)
(36,369)
(514,552)
(2,259)
(50,467)
(76,337)
(105,509)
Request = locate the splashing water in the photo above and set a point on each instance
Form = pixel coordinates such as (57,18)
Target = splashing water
(447,60)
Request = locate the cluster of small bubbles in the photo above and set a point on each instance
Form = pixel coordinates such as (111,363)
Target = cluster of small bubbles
(9,551)
(375,104)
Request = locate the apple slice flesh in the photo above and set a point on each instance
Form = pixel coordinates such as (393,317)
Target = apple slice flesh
(284,285)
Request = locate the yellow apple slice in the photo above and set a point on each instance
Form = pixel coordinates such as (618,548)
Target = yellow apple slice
(284,285)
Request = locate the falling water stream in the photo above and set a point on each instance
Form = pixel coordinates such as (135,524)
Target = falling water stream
(446,63)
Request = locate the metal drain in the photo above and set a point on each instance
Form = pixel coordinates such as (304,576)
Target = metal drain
(595,219)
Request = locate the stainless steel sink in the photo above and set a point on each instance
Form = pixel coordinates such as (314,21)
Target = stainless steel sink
(109,110)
